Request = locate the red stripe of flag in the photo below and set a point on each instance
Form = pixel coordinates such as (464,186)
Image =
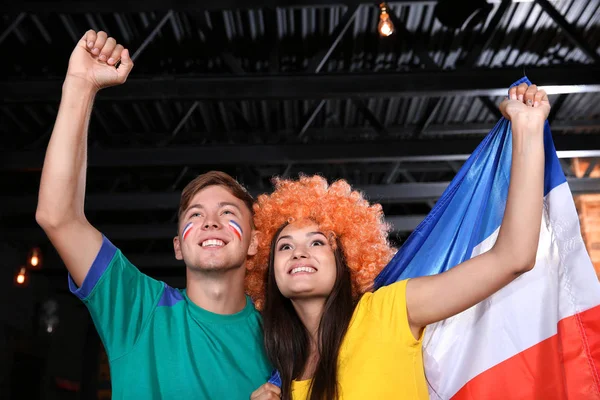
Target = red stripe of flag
(564,366)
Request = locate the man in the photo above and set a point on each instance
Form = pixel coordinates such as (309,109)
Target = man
(204,342)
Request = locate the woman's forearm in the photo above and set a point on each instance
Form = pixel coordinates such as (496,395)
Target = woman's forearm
(519,233)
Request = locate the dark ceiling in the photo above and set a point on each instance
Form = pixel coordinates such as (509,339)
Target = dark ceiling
(259,89)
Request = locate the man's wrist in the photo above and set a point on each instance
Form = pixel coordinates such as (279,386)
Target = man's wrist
(80,85)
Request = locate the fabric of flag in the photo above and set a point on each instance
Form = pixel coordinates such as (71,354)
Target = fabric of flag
(275,378)
(537,338)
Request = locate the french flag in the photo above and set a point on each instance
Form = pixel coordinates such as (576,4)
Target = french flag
(537,338)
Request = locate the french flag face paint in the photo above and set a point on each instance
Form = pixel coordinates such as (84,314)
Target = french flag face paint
(187,230)
(237,230)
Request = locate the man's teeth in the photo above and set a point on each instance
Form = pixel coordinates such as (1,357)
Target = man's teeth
(303,269)
(213,243)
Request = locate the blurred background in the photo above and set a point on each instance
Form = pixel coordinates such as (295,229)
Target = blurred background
(391,97)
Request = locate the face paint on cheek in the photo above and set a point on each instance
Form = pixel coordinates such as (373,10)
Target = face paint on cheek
(237,230)
(187,230)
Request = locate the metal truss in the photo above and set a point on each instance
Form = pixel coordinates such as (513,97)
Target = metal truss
(447,149)
(489,82)
(110,6)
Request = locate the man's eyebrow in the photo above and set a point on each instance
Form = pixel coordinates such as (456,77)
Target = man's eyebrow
(221,205)
(200,206)
(228,203)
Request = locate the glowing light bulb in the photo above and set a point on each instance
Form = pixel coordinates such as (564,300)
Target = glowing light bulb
(21,277)
(35,258)
(385,26)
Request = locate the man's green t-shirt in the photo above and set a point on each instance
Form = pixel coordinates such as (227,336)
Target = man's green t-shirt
(163,346)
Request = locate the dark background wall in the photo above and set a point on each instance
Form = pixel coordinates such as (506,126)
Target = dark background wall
(36,363)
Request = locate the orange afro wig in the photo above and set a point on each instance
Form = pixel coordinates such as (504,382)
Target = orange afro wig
(343,214)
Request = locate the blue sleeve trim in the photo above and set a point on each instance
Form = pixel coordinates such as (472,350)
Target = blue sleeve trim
(100,264)
(169,297)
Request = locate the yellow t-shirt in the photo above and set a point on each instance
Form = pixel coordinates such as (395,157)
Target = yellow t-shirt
(379,357)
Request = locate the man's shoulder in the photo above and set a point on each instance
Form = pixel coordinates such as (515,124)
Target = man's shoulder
(170,296)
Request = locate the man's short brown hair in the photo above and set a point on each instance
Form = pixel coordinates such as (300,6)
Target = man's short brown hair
(215,178)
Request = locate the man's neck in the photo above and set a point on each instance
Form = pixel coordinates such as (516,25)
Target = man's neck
(217,292)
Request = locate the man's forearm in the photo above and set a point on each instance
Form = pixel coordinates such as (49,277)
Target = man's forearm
(62,186)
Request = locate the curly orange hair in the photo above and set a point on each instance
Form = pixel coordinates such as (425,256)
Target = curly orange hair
(343,214)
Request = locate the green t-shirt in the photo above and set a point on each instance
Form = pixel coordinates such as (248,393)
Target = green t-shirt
(163,346)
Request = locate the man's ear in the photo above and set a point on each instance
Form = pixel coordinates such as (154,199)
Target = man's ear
(254,238)
(177,248)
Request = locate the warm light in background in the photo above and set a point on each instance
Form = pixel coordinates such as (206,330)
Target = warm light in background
(385,27)
(21,277)
(35,258)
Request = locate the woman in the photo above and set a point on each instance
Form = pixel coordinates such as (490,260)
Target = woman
(321,247)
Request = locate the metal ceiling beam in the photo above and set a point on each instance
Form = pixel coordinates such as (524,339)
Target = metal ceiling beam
(446,149)
(13,25)
(493,107)
(309,117)
(431,111)
(168,231)
(433,130)
(320,60)
(488,82)
(401,192)
(570,30)
(216,41)
(413,41)
(112,6)
(556,106)
(364,109)
(394,193)
(148,35)
(484,39)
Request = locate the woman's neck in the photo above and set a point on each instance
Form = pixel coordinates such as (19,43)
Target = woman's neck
(311,363)
(310,312)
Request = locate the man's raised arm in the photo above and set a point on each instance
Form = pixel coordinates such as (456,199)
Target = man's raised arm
(60,210)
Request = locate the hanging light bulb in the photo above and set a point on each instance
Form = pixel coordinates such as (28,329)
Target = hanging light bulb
(385,27)
(35,258)
(21,277)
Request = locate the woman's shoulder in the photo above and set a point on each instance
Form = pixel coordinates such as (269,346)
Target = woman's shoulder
(384,310)
(381,302)
(387,295)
